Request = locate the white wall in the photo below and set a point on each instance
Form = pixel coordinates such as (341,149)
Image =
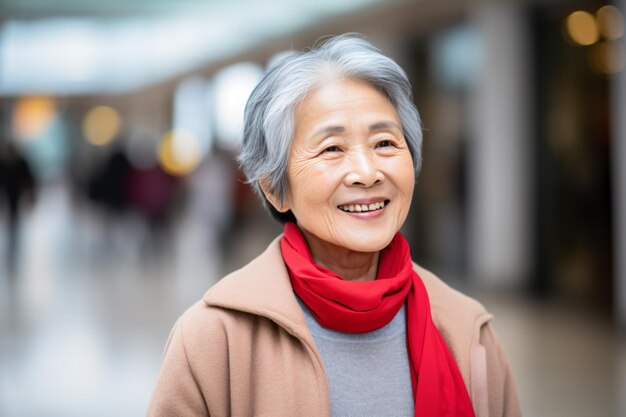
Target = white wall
(500,220)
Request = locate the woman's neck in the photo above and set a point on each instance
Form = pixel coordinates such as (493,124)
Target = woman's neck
(348,264)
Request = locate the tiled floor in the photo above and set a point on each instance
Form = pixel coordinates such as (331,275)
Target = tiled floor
(83,324)
(566,363)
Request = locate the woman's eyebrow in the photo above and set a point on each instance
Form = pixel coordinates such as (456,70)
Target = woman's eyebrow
(384,125)
(330,129)
(340,129)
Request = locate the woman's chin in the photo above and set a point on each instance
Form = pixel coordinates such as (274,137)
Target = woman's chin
(367,243)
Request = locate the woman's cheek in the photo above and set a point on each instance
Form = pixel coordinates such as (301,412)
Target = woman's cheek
(307,181)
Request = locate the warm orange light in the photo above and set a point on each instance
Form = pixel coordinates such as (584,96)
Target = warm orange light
(610,22)
(178,152)
(581,28)
(607,57)
(101,125)
(32,116)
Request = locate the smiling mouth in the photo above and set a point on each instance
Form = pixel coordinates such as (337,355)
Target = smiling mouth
(360,208)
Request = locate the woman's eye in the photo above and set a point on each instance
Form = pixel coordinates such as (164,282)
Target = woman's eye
(384,144)
(332,149)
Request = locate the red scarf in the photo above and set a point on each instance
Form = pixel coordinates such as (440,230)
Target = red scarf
(358,307)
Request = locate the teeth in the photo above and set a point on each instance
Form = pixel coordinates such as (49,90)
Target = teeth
(362,207)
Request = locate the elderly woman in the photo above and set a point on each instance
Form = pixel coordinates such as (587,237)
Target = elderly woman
(334,318)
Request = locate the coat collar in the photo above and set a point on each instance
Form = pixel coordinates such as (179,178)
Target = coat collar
(262,288)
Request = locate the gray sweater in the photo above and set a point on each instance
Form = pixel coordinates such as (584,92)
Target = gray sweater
(368,373)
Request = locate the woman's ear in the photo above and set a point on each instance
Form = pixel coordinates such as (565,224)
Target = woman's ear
(281,206)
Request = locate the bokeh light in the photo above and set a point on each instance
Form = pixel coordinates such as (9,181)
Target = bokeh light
(101,125)
(610,22)
(581,28)
(178,152)
(32,117)
(607,57)
(232,87)
(193,112)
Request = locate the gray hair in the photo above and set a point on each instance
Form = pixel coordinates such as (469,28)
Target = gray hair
(269,114)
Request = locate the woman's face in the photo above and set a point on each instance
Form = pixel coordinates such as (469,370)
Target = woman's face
(350,171)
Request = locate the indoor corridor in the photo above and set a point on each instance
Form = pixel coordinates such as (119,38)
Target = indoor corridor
(85,318)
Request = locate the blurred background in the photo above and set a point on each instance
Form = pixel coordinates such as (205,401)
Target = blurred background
(120,202)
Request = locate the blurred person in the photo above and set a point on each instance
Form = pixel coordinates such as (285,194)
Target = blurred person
(108,189)
(334,318)
(17,184)
(108,186)
(152,192)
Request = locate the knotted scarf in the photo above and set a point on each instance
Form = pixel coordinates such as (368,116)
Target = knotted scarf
(358,307)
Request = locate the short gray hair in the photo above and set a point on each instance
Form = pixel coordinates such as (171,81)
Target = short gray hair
(269,114)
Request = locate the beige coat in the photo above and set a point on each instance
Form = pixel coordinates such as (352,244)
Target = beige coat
(245,350)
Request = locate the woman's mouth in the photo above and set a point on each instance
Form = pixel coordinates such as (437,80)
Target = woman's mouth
(360,208)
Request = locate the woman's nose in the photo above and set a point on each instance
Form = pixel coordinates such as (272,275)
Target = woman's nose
(363,170)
